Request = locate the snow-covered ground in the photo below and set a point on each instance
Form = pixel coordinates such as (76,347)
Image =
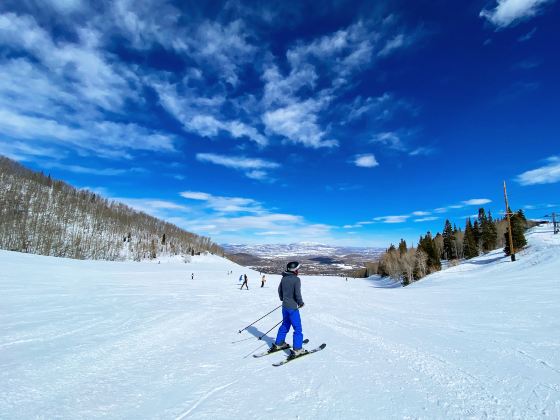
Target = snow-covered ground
(84,339)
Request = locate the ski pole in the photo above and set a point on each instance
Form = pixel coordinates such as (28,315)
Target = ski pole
(259,319)
(260,338)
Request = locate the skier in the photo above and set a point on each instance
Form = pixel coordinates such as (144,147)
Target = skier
(263,281)
(289,292)
(192,276)
(245,283)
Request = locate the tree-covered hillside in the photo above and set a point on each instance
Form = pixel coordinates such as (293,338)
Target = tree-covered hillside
(40,215)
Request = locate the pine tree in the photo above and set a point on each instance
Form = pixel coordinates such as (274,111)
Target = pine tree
(427,245)
(470,249)
(489,234)
(477,233)
(448,238)
(518,225)
(402,247)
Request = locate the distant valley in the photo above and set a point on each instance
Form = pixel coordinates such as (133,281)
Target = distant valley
(316,258)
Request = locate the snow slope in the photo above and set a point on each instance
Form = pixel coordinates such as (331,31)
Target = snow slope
(89,339)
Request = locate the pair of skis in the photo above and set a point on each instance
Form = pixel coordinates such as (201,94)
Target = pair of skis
(291,356)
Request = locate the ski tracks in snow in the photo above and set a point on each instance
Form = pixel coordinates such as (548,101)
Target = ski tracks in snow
(204,398)
(462,394)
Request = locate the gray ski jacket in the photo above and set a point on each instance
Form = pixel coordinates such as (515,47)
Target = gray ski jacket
(289,291)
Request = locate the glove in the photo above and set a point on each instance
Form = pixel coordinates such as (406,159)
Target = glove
(301,306)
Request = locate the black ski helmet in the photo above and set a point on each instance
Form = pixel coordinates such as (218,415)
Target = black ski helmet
(293,266)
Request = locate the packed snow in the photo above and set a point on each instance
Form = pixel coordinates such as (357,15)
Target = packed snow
(90,339)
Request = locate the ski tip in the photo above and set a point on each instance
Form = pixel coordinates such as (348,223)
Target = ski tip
(322,346)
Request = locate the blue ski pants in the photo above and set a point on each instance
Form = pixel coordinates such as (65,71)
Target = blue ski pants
(290,318)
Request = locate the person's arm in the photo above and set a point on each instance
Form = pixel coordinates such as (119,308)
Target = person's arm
(299,300)
(280,292)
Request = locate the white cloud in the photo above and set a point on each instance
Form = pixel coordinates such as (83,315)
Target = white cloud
(298,123)
(85,170)
(392,219)
(293,104)
(223,47)
(508,12)
(380,108)
(105,139)
(477,201)
(253,168)
(421,213)
(548,174)
(155,207)
(66,6)
(193,195)
(389,139)
(365,161)
(236,162)
(422,151)
(426,219)
(203,114)
(272,233)
(393,44)
(225,204)
(21,151)
(527,36)
(258,175)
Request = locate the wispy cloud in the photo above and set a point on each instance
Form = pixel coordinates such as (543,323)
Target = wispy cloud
(223,204)
(527,36)
(510,12)
(227,216)
(254,168)
(298,123)
(423,151)
(392,219)
(389,139)
(527,64)
(91,171)
(54,93)
(426,219)
(547,174)
(477,201)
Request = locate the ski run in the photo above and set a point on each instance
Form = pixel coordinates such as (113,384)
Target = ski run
(94,339)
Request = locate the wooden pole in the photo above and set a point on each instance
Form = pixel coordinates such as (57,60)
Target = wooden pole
(511,249)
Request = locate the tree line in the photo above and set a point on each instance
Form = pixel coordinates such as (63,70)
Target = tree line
(409,264)
(43,216)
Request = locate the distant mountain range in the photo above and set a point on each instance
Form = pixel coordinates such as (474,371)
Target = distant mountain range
(316,258)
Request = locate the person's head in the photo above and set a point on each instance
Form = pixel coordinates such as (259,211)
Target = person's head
(293,267)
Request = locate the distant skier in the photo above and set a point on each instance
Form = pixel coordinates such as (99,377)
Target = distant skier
(245,283)
(289,292)
(192,276)
(241,277)
(263,280)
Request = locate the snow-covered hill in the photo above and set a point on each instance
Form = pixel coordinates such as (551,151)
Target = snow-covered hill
(318,258)
(300,248)
(84,339)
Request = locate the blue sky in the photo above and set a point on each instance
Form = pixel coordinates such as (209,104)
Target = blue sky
(352,123)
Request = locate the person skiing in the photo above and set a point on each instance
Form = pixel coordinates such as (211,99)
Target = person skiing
(245,283)
(263,280)
(289,292)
